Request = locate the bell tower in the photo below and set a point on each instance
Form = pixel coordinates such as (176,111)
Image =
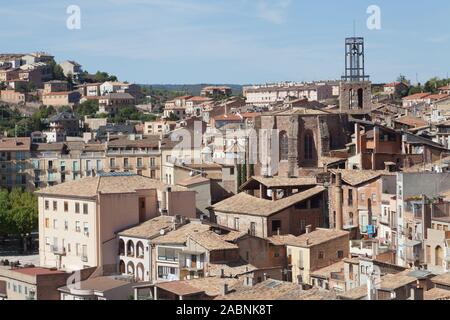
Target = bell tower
(356,88)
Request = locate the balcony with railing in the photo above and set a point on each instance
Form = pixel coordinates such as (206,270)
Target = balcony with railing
(189,264)
(132,152)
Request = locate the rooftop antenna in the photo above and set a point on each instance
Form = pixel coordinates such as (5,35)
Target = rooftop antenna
(354,28)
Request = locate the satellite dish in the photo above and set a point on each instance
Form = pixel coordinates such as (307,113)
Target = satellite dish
(162,232)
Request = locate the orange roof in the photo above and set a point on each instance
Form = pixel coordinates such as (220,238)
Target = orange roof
(15,144)
(229,117)
(37,271)
(417,96)
(412,121)
(438,96)
(199,99)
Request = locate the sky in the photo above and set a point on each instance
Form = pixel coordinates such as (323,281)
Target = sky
(232,41)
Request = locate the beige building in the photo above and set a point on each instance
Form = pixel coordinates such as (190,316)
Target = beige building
(61,99)
(55,86)
(265,95)
(314,251)
(14,165)
(112,102)
(11,96)
(79,220)
(134,153)
(159,127)
(31,283)
(89,89)
(177,107)
(264,218)
(55,163)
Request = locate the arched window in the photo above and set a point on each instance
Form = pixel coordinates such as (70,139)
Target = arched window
(122,267)
(439,252)
(284,146)
(140,272)
(121,247)
(360,98)
(130,248)
(309,146)
(139,250)
(130,268)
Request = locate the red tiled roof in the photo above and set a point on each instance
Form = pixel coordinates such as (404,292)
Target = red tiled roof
(438,96)
(229,117)
(411,121)
(37,271)
(199,99)
(417,96)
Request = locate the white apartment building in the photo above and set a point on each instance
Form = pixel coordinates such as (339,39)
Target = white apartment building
(135,247)
(266,95)
(79,220)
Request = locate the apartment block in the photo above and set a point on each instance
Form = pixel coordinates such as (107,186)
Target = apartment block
(79,220)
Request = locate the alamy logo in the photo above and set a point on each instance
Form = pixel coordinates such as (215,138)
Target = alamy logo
(73,22)
(374,19)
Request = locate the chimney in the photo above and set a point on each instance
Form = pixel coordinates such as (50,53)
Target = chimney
(274,195)
(222,273)
(339,202)
(308,229)
(164,211)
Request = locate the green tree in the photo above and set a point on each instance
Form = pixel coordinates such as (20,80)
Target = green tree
(173,117)
(4,209)
(103,77)
(22,216)
(87,108)
(402,78)
(57,71)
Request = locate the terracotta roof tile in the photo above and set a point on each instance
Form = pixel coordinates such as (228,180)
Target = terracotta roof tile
(243,203)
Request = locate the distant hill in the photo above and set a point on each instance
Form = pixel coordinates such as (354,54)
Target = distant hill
(193,89)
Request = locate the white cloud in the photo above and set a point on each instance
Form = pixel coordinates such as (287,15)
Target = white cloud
(273,11)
